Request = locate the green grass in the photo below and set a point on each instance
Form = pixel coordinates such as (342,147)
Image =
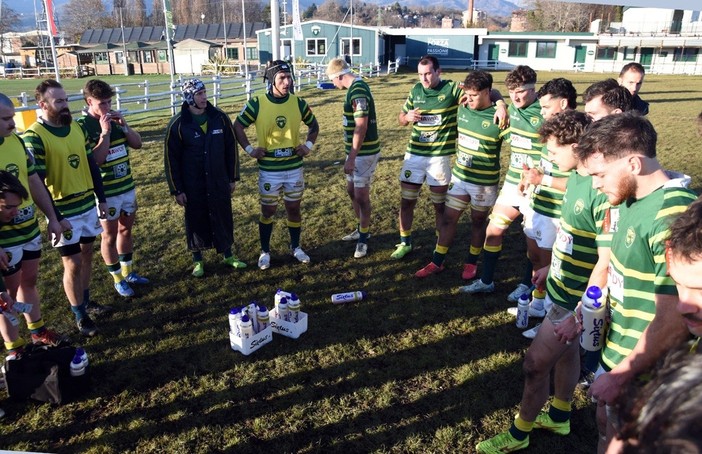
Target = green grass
(416,367)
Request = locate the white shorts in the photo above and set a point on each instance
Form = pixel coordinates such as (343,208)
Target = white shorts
(510,196)
(364,170)
(124,203)
(83,225)
(290,182)
(15,253)
(435,170)
(481,197)
(541,229)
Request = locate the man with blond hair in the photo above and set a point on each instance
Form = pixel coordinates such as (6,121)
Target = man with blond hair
(361,144)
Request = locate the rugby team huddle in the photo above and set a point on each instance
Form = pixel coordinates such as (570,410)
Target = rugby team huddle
(595,203)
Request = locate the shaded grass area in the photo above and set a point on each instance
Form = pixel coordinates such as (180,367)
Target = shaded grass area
(416,367)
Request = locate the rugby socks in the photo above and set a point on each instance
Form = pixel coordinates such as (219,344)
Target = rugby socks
(406,237)
(439,255)
(197,256)
(490,257)
(115,270)
(15,346)
(86,296)
(125,261)
(363,234)
(265,229)
(521,429)
(560,410)
(79,311)
(228,253)
(294,228)
(473,254)
(36,327)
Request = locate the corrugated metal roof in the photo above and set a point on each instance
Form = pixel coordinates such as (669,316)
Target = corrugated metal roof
(152,34)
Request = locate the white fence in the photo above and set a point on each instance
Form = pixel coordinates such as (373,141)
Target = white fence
(146,96)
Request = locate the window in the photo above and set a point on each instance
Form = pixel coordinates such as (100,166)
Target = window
(232,53)
(680,54)
(148,56)
(251,53)
(162,55)
(316,46)
(101,57)
(518,48)
(119,57)
(629,53)
(345,46)
(545,49)
(606,53)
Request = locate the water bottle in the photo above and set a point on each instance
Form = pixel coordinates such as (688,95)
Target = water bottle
(23,308)
(252,312)
(283,309)
(77,366)
(594,311)
(263,317)
(277,297)
(348,297)
(246,327)
(234,317)
(523,311)
(293,308)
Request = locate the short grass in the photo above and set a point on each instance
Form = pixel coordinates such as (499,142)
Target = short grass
(416,367)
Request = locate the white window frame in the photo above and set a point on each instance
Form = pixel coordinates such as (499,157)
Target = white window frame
(316,52)
(344,45)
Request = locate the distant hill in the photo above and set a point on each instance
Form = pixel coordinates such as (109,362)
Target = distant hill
(491,7)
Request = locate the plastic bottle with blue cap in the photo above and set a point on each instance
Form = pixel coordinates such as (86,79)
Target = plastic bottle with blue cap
(594,311)
(293,308)
(523,311)
(347,297)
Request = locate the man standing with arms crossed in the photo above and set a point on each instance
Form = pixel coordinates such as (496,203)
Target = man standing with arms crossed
(619,151)
(475,175)
(277,115)
(65,161)
(111,139)
(20,238)
(362,147)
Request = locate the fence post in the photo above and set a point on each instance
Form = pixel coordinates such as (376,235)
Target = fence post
(216,88)
(146,94)
(118,96)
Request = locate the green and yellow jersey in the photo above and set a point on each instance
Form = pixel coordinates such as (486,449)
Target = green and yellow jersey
(359,103)
(478,147)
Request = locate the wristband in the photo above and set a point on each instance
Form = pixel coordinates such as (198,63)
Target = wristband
(249,149)
(309,145)
(547,181)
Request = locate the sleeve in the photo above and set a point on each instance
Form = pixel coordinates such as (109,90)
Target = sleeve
(248,113)
(409,103)
(231,149)
(306,113)
(35,147)
(173,149)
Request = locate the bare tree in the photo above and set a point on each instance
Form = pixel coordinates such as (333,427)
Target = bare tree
(80,15)
(548,15)
(135,13)
(330,10)
(157,17)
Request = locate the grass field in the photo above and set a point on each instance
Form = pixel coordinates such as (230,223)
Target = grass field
(416,367)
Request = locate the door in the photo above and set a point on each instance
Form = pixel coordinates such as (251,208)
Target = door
(646,57)
(493,52)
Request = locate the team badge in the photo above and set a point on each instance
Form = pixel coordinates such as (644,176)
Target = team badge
(408,173)
(441,98)
(534,121)
(267,186)
(68,234)
(630,237)
(486,124)
(280,121)
(112,211)
(74,161)
(13,169)
(579,206)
